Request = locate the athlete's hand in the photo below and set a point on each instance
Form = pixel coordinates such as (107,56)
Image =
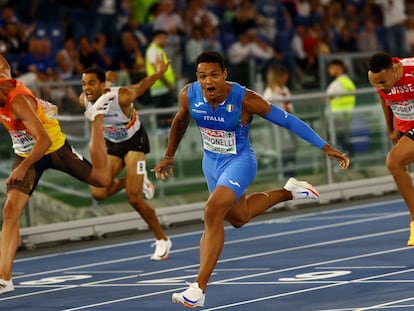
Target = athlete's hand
(16,175)
(164,169)
(395,137)
(160,65)
(339,156)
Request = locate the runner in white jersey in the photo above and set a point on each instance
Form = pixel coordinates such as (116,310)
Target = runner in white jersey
(127,143)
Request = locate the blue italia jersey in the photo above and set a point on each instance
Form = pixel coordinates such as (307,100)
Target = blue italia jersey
(221,130)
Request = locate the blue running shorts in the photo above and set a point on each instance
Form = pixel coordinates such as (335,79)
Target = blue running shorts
(232,171)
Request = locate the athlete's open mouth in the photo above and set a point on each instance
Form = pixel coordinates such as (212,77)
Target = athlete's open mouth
(211,90)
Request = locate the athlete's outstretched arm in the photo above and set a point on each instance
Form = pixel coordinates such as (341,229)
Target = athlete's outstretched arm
(178,128)
(128,94)
(255,103)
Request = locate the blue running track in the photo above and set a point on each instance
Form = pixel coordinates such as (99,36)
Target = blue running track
(351,258)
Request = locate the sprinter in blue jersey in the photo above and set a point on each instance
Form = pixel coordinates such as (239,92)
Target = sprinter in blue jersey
(223,112)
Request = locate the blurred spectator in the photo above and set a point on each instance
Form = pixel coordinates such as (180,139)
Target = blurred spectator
(81,21)
(368,40)
(66,63)
(170,22)
(410,35)
(276,90)
(271,17)
(278,93)
(106,20)
(245,17)
(129,61)
(194,45)
(249,47)
(132,25)
(163,91)
(196,14)
(85,55)
(66,59)
(394,17)
(13,40)
(287,45)
(144,10)
(347,40)
(341,105)
(101,52)
(37,66)
(211,38)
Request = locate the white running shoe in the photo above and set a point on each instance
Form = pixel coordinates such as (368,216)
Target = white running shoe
(162,249)
(100,106)
(301,189)
(191,298)
(6,286)
(148,188)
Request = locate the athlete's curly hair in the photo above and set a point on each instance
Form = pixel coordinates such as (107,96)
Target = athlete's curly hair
(100,74)
(379,61)
(210,57)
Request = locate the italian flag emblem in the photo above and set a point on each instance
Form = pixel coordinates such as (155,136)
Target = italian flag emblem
(229,107)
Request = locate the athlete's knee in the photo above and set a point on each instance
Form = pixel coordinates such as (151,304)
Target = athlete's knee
(135,198)
(237,223)
(98,196)
(213,215)
(394,162)
(11,213)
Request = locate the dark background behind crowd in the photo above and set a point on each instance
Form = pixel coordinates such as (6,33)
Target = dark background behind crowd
(51,40)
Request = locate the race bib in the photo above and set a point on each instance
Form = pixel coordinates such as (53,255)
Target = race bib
(219,141)
(403,110)
(116,133)
(22,142)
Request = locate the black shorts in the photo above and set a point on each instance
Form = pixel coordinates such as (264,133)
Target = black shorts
(65,159)
(409,134)
(138,142)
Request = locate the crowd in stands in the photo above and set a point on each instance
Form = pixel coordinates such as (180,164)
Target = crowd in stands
(51,40)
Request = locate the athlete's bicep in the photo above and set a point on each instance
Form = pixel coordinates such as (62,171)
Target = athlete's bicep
(254,103)
(23,109)
(183,113)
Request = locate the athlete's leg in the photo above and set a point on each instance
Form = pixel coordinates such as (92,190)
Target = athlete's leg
(212,240)
(255,204)
(12,209)
(397,160)
(135,172)
(99,176)
(115,166)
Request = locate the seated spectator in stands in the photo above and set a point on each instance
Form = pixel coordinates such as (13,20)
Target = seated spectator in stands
(368,39)
(101,52)
(106,20)
(271,17)
(195,12)
(211,38)
(194,46)
(85,55)
(132,25)
(13,40)
(249,46)
(66,63)
(36,65)
(245,17)
(171,22)
(129,61)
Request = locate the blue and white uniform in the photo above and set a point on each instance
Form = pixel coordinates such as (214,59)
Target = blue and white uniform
(229,159)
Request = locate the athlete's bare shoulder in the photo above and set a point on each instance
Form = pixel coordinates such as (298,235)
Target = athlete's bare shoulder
(254,103)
